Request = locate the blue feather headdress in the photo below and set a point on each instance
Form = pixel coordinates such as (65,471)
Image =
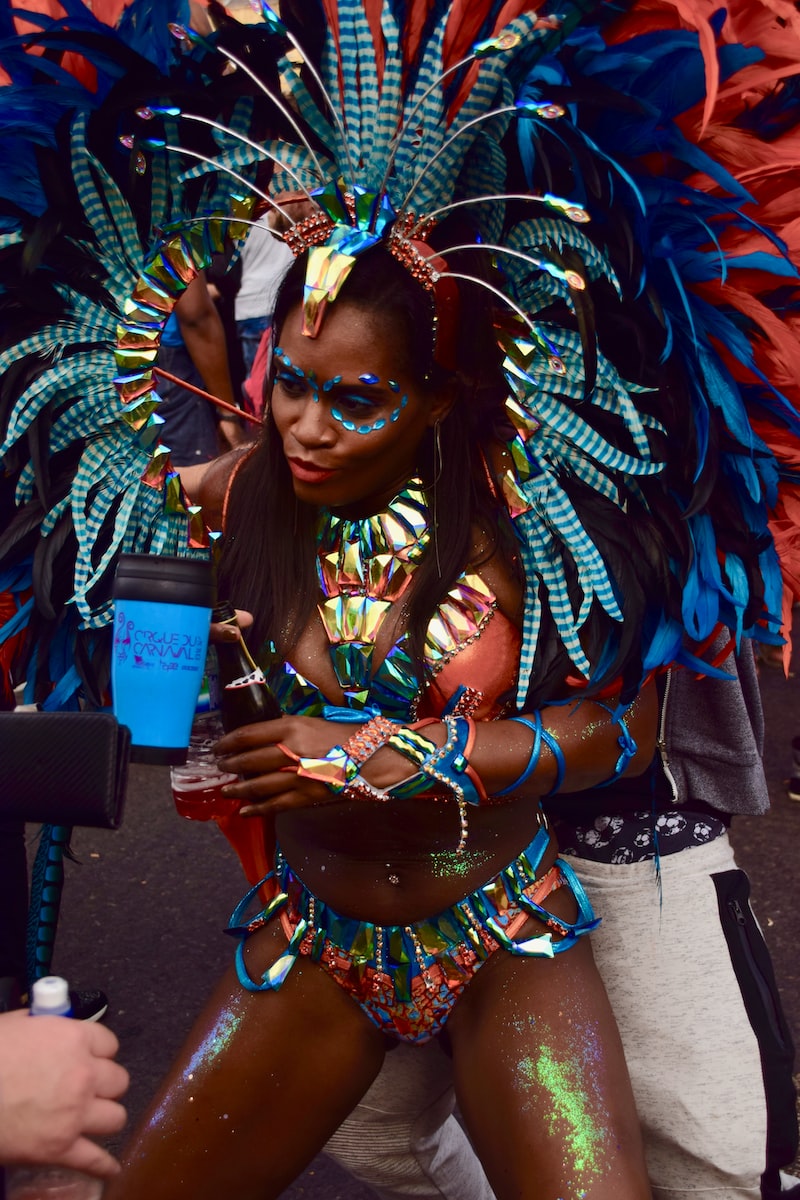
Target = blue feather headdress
(609,231)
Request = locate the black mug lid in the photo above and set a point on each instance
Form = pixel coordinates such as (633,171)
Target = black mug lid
(165,579)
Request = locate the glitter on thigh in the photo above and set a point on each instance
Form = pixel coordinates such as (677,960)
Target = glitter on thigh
(215,1044)
(574,1100)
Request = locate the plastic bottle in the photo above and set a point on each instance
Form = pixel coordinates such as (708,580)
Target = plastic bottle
(197,784)
(50,998)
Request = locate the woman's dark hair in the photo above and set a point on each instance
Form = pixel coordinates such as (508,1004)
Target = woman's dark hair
(269,564)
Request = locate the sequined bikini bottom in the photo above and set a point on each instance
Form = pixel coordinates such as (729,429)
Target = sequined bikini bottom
(407,978)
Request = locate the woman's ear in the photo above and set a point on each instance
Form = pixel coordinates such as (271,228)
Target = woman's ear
(444,400)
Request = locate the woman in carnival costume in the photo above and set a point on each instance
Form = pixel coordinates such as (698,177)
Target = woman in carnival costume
(466,546)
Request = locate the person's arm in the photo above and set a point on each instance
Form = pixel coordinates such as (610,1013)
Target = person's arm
(207,484)
(587,737)
(204,337)
(59,1088)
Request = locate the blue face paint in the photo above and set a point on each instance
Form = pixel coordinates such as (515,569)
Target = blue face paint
(293,376)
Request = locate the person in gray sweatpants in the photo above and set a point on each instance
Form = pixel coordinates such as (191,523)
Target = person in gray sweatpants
(683,961)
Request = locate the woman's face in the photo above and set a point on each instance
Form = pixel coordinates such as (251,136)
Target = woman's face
(349,416)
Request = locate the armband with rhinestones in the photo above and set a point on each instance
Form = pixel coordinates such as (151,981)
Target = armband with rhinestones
(368,739)
(450,764)
(360,789)
(408,741)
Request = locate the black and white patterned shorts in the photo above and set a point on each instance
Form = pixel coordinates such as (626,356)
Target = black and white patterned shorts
(638,836)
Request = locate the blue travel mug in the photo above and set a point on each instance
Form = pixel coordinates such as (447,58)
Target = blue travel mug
(162,614)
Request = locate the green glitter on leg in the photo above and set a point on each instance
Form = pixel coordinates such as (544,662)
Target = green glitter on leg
(569,1105)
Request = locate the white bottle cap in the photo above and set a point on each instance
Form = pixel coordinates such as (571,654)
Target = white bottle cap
(50,997)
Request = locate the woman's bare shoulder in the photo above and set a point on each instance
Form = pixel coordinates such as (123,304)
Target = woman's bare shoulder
(494,553)
(207,484)
(497,566)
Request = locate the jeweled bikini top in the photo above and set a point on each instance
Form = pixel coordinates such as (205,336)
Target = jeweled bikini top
(364,567)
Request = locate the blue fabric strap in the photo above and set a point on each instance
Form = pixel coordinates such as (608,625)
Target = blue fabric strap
(540,734)
(274,976)
(536,749)
(627,747)
(585,921)
(561,766)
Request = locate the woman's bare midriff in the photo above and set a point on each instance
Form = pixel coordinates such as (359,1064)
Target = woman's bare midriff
(395,863)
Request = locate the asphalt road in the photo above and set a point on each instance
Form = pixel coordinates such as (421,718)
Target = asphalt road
(143,912)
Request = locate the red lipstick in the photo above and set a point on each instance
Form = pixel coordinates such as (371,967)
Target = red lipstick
(307,472)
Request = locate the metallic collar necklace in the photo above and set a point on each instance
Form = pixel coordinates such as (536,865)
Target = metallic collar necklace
(364,567)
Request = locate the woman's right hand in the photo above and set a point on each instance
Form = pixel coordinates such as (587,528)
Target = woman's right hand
(223,631)
(271,783)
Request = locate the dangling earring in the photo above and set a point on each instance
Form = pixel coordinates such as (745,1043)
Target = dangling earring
(437,452)
(437,474)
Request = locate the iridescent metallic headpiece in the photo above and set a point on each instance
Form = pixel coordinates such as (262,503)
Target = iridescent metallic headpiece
(398,126)
(333,244)
(400,117)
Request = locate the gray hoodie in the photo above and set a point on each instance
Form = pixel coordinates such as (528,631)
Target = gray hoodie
(710,741)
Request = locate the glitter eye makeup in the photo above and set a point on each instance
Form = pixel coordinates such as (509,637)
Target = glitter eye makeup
(293,375)
(352,427)
(353,401)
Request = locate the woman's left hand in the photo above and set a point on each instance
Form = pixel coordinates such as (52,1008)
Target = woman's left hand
(272,784)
